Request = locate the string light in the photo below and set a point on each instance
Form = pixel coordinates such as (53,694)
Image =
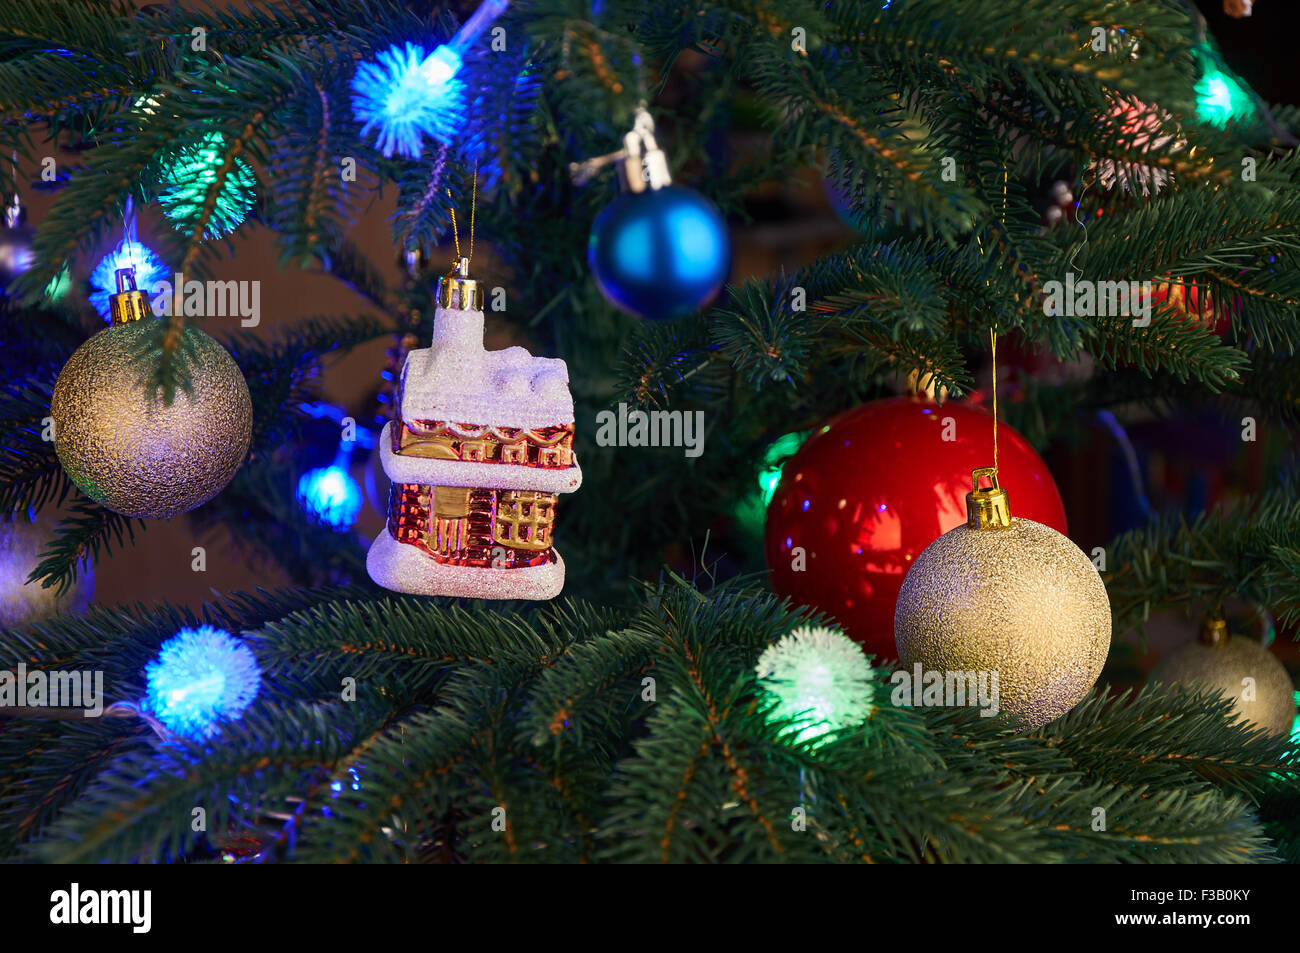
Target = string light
(1220,97)
(330,495)
(781,449)
(199,677)
(188,173)
(407,94)
(819,680)
(58,286)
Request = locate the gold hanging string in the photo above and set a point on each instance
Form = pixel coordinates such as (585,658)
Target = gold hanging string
(473,209)
(992,332)
(993,344)
(993,347)
(455,232)
(993,341)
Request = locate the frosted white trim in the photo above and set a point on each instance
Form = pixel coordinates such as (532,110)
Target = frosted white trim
(404,568)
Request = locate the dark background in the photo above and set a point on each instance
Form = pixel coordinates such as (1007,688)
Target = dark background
(1260,48)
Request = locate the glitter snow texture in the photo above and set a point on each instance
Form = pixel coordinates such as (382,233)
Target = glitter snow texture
(480,448)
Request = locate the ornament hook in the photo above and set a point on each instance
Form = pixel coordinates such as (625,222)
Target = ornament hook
(1214,630)
(642,165)
(987,508)
(125,280)
(129,304)
(457,291)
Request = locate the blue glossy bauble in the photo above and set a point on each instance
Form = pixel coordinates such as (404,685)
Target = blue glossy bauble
(660,254)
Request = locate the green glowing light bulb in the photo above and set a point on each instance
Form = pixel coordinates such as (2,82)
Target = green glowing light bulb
(819,681)
(782,448)
(188,173)
(1220,98)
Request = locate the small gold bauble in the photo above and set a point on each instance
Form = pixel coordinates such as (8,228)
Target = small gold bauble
(21,602)
(126,449)
(1020,600)
(1223,666)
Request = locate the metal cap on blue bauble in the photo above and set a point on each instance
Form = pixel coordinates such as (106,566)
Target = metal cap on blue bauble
(658,250)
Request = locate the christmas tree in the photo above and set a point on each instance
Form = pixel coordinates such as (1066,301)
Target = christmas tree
(886,373)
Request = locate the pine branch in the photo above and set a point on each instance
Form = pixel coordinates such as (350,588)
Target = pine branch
(426,197)
(30,474)
(1248,551)
(1170,738)
(318,195)
(87,531)
(142,807)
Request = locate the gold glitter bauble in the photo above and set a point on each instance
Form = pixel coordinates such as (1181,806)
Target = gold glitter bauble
(127,450)
(21,602)
(1020,600)
(1222,667)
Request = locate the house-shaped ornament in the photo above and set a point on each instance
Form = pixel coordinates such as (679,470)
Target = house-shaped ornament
(478,450)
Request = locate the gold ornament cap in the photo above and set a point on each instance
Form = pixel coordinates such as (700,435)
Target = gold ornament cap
(129,304)
(1214,631)
(457,291)
(987,508)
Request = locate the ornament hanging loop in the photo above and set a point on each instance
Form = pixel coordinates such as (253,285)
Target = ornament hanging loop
(642,165)
(1214,630)
(646,166)
(586,170)
(987,507)
(458,262)
(458,291)
(129,304)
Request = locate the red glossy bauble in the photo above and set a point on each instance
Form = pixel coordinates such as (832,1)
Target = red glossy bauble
(1185,297)
(876,485)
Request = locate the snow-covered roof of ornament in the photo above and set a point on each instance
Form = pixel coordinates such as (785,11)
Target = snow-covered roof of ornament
(458,379)
(456,390)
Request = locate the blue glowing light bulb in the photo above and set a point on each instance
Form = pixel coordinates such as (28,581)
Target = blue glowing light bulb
(406,93)
(200,677)
(329,495)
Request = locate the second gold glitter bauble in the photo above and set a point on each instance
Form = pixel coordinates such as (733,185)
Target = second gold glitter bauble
(1017,599)
(1224,665)
(22,542)
(127,450)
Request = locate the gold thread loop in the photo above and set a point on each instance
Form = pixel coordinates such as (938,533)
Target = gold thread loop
(455,231)
(993,339)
